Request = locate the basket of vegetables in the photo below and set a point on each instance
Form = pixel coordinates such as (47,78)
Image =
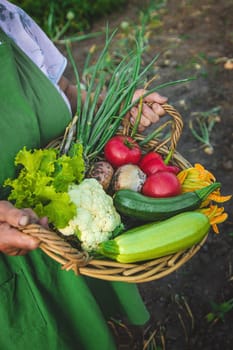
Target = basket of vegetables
(135,214)
(122,206)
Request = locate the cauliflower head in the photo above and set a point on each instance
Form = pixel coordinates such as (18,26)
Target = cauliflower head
(96,217)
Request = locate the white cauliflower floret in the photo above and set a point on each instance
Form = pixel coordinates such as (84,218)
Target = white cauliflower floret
(96,216)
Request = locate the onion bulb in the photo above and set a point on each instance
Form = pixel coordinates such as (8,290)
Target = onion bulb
(128,176)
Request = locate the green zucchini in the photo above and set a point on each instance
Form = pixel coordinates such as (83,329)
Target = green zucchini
(154,240)
(135,205)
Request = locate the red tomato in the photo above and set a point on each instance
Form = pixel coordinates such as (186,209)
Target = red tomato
(153,162)
(173,169)
(153,165)
(161,184)
(120,150)
(148,157)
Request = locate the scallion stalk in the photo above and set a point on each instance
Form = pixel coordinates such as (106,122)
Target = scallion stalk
(97,124)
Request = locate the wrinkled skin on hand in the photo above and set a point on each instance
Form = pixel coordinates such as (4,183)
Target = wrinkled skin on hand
(152,109)
(12,240)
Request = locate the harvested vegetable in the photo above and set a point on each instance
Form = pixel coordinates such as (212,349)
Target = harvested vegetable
(216,216)
(102,171)
(95,219)
(128,176)
(153,166)
(43,182)
(161,184)
(120,150)
(198,177)
(155,240)
(148,157)
(152,163)
(138,206)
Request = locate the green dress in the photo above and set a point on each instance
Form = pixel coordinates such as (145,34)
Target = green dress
(42,306)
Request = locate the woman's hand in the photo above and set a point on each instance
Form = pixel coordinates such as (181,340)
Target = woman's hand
(70,90)
(12,240)
(151,109)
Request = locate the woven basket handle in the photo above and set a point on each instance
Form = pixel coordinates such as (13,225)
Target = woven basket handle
(176,128)
(57,248)
(177,125)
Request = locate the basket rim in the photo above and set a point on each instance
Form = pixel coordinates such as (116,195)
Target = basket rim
(84,264)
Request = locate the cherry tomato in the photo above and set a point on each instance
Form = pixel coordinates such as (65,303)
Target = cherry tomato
(120,150)
(161,184)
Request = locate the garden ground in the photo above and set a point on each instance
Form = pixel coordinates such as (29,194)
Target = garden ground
(194,38)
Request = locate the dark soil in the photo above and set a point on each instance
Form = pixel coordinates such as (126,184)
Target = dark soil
(194,38)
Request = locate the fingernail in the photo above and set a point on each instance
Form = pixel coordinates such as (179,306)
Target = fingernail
(23,221)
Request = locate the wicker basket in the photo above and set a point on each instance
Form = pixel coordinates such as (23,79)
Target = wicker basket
(82,263)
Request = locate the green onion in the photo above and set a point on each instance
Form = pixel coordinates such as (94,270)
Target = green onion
(97,124)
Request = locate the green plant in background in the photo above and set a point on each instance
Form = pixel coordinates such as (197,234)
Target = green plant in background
(219,311)
(202,126)
(141,27)
(69,19)
(68,16)
(58,33)
(148,20)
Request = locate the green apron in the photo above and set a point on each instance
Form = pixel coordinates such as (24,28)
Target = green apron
(41,306)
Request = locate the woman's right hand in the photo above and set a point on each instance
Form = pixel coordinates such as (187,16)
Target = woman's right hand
(12,240)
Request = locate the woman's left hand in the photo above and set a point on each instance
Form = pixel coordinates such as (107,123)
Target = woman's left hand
(152,109)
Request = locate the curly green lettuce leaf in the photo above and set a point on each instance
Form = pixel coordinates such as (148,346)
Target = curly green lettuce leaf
(33,161)
(43,181)
(69,168)
(59,209)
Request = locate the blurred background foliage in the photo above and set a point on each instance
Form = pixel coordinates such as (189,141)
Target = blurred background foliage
(56,16)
